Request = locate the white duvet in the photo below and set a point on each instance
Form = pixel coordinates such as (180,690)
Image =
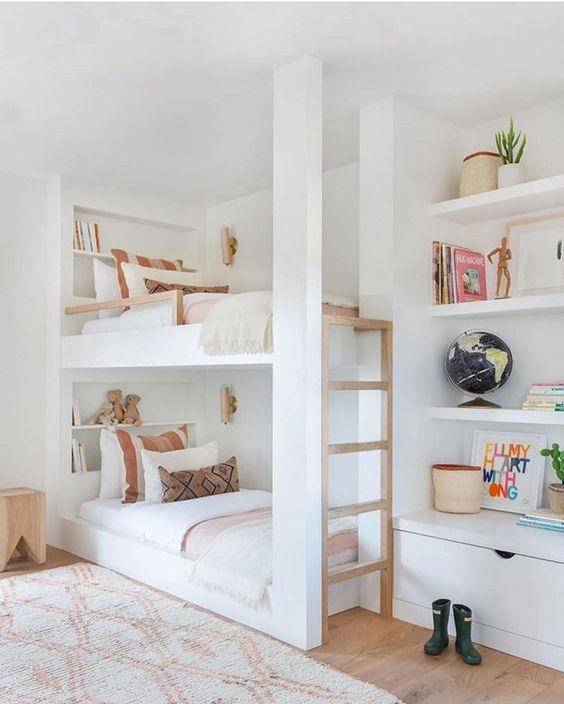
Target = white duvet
(166,524)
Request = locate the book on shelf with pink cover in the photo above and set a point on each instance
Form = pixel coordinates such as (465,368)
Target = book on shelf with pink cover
(469,275)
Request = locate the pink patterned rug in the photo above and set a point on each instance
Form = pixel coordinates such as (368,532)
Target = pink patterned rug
(85,635)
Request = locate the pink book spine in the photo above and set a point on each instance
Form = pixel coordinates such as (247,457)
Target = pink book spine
(470,274)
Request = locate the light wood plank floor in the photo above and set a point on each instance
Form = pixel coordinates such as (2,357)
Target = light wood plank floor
(389,654)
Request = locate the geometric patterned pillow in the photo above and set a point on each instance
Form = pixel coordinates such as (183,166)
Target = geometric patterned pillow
(133,479)
(220,478)
(161,286)
(122,257)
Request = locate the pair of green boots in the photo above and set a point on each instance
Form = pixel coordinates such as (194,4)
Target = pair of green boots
(463,620)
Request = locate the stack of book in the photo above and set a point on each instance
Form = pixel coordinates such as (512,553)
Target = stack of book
(545,396)
(459,274)
(543,518)
(86,236)
(78,457)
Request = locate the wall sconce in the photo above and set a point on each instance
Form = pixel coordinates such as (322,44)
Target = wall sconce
(228,404)
(229,246)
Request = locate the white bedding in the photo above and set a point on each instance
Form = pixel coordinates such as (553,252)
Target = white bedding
(166,524)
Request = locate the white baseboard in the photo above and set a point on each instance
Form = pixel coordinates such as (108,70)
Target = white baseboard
(504,641)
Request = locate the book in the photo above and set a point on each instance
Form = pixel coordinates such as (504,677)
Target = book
(82,453)
(86,236)
(523,521)
(459,274)
(76,413)
(469,275)
(76,464)
(545,514)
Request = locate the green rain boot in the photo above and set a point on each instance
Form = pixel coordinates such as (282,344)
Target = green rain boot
(439,640)
(464,646)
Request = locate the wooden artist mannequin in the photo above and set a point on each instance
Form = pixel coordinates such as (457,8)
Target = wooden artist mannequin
(504,256)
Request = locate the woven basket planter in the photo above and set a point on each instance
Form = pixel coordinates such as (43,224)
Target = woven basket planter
(458,488)
(479,173)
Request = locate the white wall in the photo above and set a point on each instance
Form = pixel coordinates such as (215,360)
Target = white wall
(250,218)
(23,315)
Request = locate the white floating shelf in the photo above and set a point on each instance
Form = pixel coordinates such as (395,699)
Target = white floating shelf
(153,424)
(520,305)
(497,415)
(92,255)
(496,530)
(503,203)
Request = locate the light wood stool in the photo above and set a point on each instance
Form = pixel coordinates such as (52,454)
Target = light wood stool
(22,524)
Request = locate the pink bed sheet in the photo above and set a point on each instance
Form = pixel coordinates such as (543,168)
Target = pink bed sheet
(197,312)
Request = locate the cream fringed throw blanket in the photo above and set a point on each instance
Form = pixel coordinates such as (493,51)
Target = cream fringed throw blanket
(239,324)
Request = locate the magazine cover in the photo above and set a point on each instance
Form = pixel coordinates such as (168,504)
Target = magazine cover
(470,276)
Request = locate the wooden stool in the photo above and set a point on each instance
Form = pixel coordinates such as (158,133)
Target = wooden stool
(22,524)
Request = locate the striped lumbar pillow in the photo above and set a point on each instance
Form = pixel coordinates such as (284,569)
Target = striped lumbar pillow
(133,481)
(122,257)
(220,478)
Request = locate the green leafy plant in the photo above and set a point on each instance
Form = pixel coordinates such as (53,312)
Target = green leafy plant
(557,457)
(508,146)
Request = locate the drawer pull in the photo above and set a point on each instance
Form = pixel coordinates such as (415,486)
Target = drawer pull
(504,554)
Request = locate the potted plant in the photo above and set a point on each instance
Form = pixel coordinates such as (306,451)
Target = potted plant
(556,491)
(510,147)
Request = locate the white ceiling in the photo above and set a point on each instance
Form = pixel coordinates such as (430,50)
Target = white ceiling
(175,98)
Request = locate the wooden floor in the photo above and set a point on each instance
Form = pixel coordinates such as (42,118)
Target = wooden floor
(389,654)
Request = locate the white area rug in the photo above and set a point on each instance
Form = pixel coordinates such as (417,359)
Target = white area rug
(85,635)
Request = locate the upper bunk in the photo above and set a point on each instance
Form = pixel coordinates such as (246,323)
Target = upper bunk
(141,281)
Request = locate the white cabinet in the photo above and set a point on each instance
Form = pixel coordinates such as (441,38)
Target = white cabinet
(516,600)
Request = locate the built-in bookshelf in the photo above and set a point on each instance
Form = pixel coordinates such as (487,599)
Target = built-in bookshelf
(93,255)
(497,415)
(520,305)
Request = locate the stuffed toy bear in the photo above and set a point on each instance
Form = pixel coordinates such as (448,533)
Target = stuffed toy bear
(105,416)
(115,396)
(131,413)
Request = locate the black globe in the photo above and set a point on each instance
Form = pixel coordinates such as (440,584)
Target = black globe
(478,362)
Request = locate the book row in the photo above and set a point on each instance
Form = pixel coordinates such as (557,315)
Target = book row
(86,236)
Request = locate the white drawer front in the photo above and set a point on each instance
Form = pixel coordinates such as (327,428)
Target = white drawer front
(521,595)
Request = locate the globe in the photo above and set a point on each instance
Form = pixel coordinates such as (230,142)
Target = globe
(477,363)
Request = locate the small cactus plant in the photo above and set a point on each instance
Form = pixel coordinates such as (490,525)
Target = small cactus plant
(508,142)
(557,458)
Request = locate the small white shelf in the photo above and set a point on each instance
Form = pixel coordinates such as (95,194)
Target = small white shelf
(497,415)
(520,305)
(496,530)
(504,203)
(92,255)
(153,424)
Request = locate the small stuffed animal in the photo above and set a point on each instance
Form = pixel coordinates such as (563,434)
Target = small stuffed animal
(115,396)
(105,416)
(131,413)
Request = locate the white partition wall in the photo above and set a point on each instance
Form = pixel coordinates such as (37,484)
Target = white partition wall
(297,338)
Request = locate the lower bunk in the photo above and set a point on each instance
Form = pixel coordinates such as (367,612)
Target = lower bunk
(215,551)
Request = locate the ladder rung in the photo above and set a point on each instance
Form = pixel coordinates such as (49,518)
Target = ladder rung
(357,509)
(358,385)
(359,324)
(344,447)
(355,569)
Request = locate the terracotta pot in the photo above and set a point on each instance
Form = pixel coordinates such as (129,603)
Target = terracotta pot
(510,175)
(556,493)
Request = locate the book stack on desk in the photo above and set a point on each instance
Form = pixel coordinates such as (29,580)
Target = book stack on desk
(543,518)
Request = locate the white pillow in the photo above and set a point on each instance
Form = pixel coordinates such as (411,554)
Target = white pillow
(106,287)
(135,276)
(174,461)
(111,467)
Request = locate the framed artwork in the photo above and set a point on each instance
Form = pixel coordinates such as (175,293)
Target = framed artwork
(538,253)
(512,469)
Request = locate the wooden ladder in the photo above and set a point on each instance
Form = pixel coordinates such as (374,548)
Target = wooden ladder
(384,564)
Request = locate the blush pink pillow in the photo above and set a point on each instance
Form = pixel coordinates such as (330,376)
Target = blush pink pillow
(198,312)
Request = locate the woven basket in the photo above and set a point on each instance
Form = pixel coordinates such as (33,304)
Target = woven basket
(458,488)
(479,173)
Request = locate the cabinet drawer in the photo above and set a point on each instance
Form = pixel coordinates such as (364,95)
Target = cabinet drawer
(522,595)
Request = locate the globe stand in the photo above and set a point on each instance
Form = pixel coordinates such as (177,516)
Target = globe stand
(479,402)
